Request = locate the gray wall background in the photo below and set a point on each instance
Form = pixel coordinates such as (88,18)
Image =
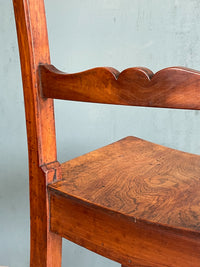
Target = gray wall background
(84,34)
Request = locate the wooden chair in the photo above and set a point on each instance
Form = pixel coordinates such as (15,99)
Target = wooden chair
(132,201)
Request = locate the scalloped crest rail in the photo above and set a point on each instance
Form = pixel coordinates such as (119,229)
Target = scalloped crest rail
(174,87)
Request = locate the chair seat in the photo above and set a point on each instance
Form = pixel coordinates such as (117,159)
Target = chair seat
(140,181)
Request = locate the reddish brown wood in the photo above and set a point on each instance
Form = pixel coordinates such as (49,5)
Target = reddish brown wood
(137,201)
(169,88)
(133,201)
(33,46)
(120,237)
(139,179)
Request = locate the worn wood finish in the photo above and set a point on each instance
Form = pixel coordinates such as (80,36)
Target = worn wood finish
(132,201)
(137,201)
(121,238)
(169,88)
(33,46)
(139,179)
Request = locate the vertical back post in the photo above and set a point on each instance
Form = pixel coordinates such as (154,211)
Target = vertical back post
(43,166)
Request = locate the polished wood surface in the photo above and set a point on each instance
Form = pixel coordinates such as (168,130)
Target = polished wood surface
(33,46)
(132,201)
(121,238)
(137,201)
(169,88)
(138,179)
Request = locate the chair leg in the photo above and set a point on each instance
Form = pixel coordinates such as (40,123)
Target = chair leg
(46,247)
(48,253)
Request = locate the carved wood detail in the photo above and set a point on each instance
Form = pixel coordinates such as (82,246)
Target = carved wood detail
(174,87)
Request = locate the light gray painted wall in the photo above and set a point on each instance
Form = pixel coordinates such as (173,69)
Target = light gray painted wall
(84,34)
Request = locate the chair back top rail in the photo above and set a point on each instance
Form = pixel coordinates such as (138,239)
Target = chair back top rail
(174,87)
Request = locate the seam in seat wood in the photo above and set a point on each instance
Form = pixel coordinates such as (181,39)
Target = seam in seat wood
(147,185)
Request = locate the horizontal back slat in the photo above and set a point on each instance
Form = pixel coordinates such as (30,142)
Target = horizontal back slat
(175,87)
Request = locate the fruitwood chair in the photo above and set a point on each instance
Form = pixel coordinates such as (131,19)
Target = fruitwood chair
(132,201)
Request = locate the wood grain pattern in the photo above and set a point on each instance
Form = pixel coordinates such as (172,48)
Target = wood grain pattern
(144,185)
(175,87)
(132,201)
(33,46)
(120,238)
(139,179)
